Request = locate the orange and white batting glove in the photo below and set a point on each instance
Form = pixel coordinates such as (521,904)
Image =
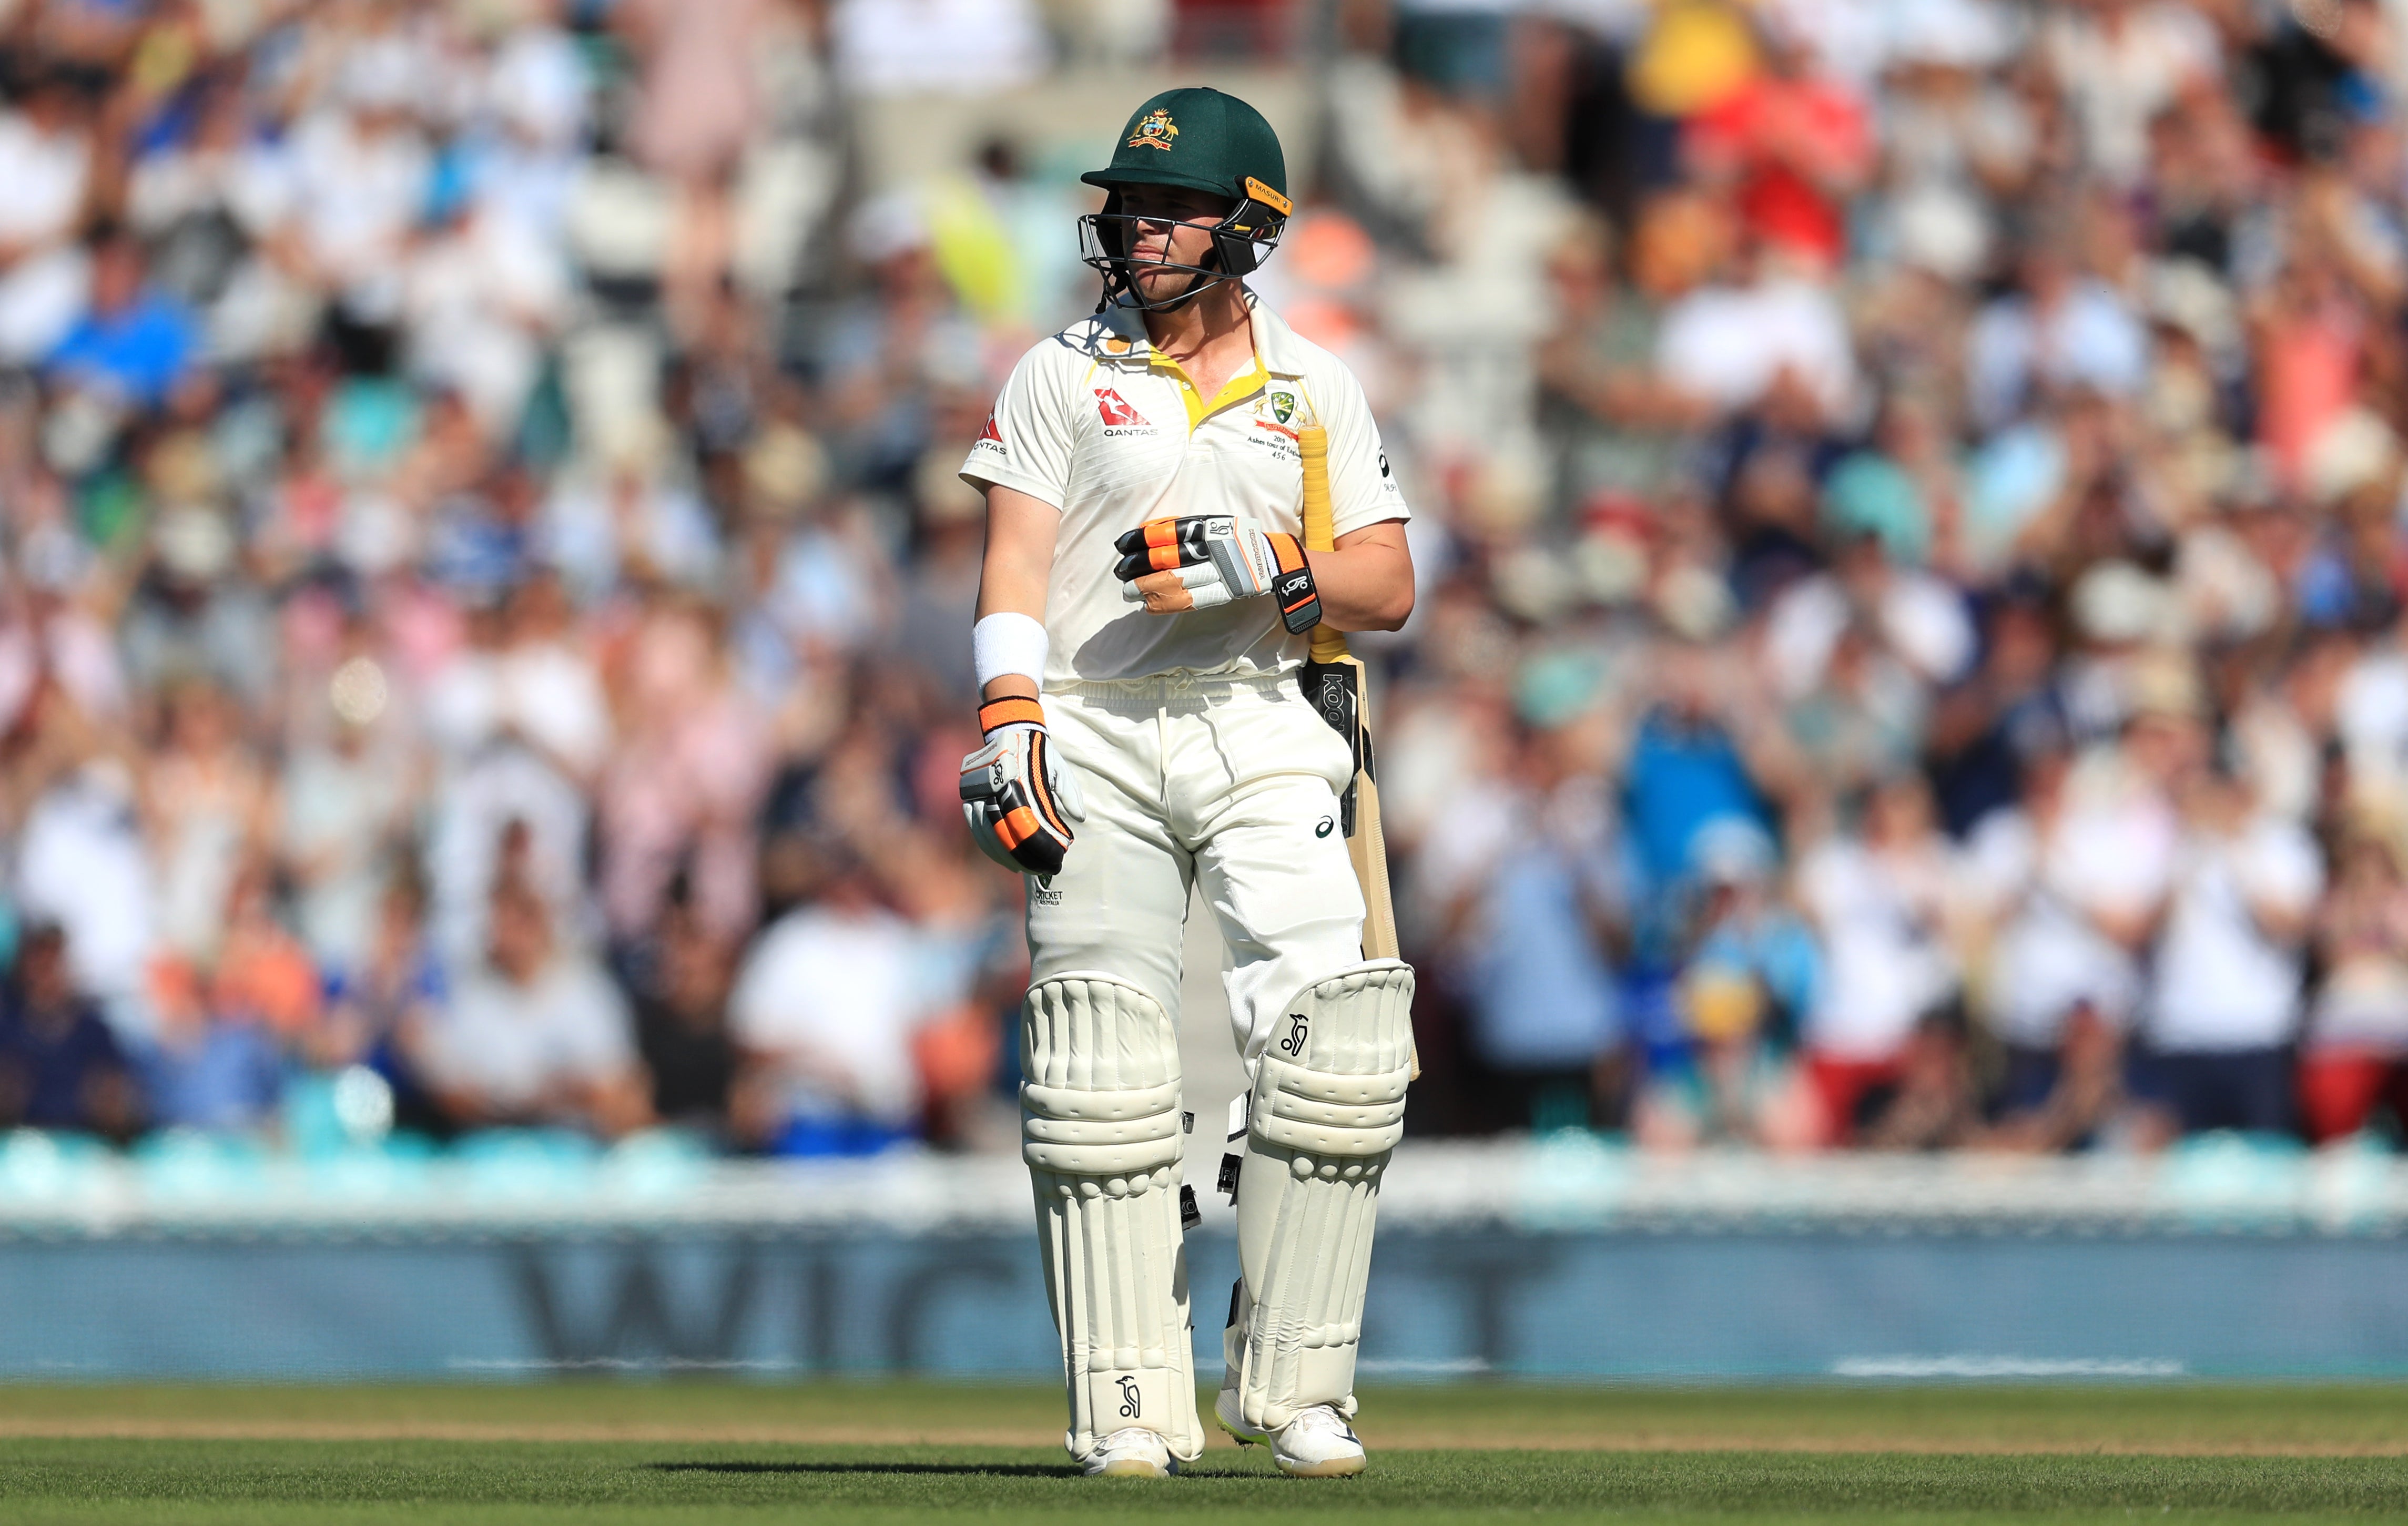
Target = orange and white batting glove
(1017,797)
(1219,559)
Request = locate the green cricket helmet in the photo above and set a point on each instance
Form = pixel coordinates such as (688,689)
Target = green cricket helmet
(1200,139)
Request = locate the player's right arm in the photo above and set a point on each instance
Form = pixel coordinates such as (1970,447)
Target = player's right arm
(1020,530)
(1017,797)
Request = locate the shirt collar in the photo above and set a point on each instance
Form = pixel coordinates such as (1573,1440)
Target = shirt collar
(1276,345)
(1282,352)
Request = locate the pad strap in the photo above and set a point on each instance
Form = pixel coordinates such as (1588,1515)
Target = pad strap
(1100,1133)
(1324,1114)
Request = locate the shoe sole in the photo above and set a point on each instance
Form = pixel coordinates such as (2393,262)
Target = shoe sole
(1337,1467)
(1131,1467)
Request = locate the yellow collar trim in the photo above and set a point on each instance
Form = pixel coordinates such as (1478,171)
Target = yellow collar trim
(1237,389)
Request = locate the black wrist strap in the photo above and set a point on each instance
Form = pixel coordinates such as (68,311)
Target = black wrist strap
(1299,601)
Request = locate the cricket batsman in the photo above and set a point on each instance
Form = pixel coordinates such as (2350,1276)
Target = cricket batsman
(1186,504)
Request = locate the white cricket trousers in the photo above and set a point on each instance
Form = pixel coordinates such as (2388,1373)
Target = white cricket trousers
(1234,781)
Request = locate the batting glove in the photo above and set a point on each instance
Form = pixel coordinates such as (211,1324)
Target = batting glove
(1220,558)
(1017,797)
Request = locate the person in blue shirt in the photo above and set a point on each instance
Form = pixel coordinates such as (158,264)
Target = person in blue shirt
(60,1066)
(1698,757)
(1539,925)
(1750,971)
(135,341)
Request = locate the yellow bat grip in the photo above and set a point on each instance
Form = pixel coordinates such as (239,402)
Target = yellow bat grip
(1320,531)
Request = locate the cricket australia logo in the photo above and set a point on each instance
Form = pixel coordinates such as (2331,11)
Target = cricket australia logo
(1130,1406)
(1273,417)
(1156,130)
(1118,417)
(1293,1045)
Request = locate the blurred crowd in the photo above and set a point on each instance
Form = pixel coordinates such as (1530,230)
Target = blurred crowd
(1908,506)
(1916,648)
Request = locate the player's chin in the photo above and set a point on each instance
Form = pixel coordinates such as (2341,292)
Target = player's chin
(1163,285)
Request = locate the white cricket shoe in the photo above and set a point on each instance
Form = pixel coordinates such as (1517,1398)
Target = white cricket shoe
(1131,1453)
(1317,1443)
(1233,1419)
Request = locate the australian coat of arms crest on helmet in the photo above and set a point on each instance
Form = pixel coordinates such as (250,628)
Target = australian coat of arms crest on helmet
(1154,131)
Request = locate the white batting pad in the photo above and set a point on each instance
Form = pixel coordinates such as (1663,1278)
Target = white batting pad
(1327,1108)
(1100,1131)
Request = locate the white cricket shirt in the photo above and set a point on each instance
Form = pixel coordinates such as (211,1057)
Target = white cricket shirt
(1099,424)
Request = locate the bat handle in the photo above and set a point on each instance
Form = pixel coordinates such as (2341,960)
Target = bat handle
(1313,443)
(1319,518)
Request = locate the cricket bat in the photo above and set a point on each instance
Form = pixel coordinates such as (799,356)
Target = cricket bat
(1333,683)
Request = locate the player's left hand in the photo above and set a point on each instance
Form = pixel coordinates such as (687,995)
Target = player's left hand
(1202,560)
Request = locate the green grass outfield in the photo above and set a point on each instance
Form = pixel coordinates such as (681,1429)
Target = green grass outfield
(695,1453)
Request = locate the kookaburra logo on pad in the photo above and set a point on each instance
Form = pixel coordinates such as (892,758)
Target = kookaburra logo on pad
(1293,1045)
(1130,1407)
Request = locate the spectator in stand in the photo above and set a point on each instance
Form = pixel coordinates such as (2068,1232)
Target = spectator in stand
(2355,1057)
(1881,898)
(1697,758)
(1765,337)
(539,1036)
(1749,976)
(231,1018)
(377,1007)
(137,343)
(1541,912)
(46,148)
(1793,144)
(1622,425)
(823,1012)
(341,813)
(60,1066)
(681,1021)
(2227,998)
(2063,913)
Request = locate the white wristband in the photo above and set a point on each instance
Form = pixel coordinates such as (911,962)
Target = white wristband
(1008,643)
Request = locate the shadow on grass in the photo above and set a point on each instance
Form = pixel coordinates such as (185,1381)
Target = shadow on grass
(989,1470)
(996,1470)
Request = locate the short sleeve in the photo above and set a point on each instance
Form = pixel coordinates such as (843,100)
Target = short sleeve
(1362,490)
(598,1038)
(2283,866)
(753,1004)
(1026,443)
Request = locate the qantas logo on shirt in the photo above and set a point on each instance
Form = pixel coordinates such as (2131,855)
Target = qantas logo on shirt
(1118,417)
(990,433)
